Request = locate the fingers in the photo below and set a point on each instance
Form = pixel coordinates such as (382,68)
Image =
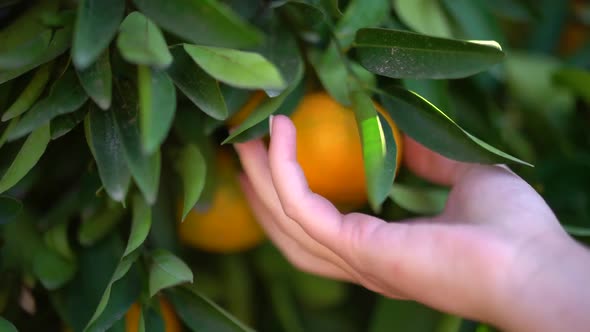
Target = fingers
(431,165)
(295,253)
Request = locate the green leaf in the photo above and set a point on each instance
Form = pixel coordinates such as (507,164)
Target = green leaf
(9,209)
(140,226)
(96,79)
(25,53)
(27,25)
(419,200)
(574,79)
(141,42)
(30,152)
(474,20)
(304,16)
(66,96)
(432,128)
(63,124)
(379,153)
(107,148)
(197,85)
(157,104)
(121,292)
(166,271)
(204,22)
(332,72)
(56,239)
(151,319)
(96,25)
(60,42)
(6,326)
(403,316)
(52,269)
(247,70)
(424,16)
(100,224)
(200,313)
(318,292)
(263,111)
(360,14)
(402,54)
(193,170)
(577,231)
(145,169)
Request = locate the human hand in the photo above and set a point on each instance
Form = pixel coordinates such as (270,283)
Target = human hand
(497,253)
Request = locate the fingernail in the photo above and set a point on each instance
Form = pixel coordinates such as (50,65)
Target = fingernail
(270,124)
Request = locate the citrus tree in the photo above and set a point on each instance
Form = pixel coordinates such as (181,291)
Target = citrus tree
(120,206)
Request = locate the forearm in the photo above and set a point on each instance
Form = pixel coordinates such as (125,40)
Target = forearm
(553,295)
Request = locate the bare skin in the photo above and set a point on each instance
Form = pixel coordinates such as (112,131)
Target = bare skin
(496,254)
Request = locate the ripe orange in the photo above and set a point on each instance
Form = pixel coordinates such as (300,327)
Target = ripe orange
(170,319)
(228,225)
(329,149)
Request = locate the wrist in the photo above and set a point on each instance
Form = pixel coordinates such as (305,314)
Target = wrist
(545,290)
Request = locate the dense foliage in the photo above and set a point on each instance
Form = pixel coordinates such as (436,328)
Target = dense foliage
(113,113)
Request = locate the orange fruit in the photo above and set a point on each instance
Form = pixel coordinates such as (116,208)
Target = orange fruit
(170,319)
(228,225)
(329,149)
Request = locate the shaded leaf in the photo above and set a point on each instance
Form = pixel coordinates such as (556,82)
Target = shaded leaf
(432,128)
(60,42)
(107,148)
(25,53)
(241,69)
(96,24)
(66,96)
(474,20)
(193,170)
(166,271)
(402,54)
(197,85)
(140,225)
(360,14)
(424,16)
(419,200)
(145,169)
(6,326)
(52,269)
(157,104)
(56,239)
(99,225)
(63,124)
(576,80)
(200,313)
(332,72)
(379,153)
(141,42)
(303,15)
(96,79)
(205,22)
(30,152)
(9,209)
(403,316)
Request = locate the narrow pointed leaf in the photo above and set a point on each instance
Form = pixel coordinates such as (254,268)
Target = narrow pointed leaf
(9,209)
(360,14)
(204,22)
(166,271)
(66,96)
(107,148)
(193,170)
(60,42)
(145,169)
(30,94)
(201,314)
(96,79)
(262,112)
(402,54)
(63,124)
(202,89)
(379,153)
(140,225)
(141,42)
(52,269)
(29,154)
(424,16)
(157,104)
(96,24)
(432,128)
(247,70)
(419,200)
(25,53)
